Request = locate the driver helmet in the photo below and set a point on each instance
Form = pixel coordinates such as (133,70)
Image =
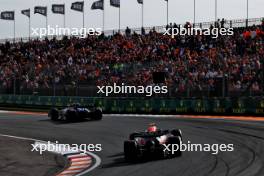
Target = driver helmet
(152,128)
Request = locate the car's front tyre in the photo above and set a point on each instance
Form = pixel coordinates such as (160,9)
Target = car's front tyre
(98,114)
(176,132)
(175,140)
(70,115)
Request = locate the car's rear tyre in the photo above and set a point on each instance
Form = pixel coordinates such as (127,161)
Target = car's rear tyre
(70,116)
(130,150)
(97,115)
(174,141)
(54,114)
(132,136)
(176,132)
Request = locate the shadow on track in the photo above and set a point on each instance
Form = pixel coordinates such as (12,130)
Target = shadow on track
(120,161)
(61,122)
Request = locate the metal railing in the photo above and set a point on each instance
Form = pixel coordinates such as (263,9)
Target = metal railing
(228,24)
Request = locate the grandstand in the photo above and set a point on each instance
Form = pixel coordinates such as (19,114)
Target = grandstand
(195,66)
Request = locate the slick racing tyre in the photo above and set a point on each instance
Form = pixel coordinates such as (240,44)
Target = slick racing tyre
(70,116)
(132,136)
(130,150)
(177,132)
(54,114)
(174,141)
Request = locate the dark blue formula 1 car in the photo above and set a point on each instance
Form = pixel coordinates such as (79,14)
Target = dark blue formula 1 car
(76,112)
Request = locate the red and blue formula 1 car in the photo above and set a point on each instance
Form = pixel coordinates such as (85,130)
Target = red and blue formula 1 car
(151,143)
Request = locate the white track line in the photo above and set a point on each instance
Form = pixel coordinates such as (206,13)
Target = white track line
(1,111)
(213,117)
(208,117)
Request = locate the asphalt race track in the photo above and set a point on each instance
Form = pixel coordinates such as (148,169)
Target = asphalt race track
(246,160)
